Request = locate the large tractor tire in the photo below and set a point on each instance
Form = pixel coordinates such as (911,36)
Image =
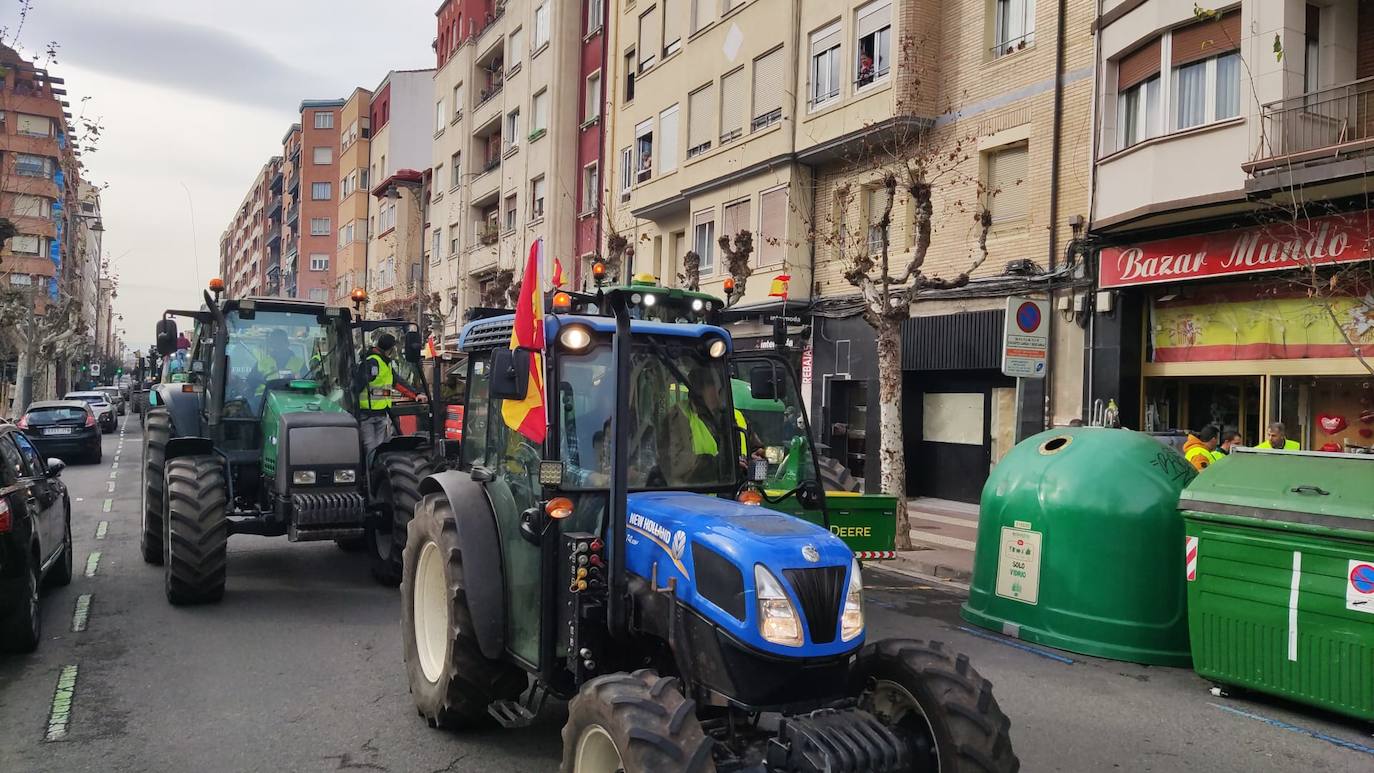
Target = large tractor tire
(835,476)
(197,529)
(636,723)
(451,681)
(931,696)
(396,486)
(155,434)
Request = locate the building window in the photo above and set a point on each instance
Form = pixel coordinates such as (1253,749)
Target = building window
(1013,26)
(436,244)
(319,261)
(644,151)
(701,14)
(324,119)
(629,76)
(457,101)
(32,166)
(772,246)
(440,116)
(701,120)
(768,90)
(1005,182)
(320,226)
(321,191)
(704,240)
(541,26)
(594,15)
(455,166)
(319,294)
(1206,72)
(727,6)
(455,242)
(386,217)
(735,219)
(591,188)
(873,53)
(648,39)
(672,27)
(323,154)
(733,98)
(539,113)
(667,140)
(32,206)
(627,173)
(513,129)
(1138,112)
(592,109)
(26,244)
(515,49)
(34,125)
(1311,52)
(825,65)
(537,198)
(511,213)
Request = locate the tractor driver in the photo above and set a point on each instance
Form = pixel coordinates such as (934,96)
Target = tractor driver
(378,386)
(278,360)
(700,414)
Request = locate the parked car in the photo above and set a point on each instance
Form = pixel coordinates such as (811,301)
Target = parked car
(65,429)
(35,537)
(116,396)
(100,403)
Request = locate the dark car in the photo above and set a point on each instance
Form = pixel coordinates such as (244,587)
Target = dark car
(100,403)
(66,429)
(35,537)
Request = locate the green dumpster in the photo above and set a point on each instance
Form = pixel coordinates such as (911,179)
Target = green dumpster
(1078,537)
(1280,576)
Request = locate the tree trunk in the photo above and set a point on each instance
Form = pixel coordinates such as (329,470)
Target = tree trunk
(890,451)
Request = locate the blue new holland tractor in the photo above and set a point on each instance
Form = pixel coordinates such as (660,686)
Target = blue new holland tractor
(627,563)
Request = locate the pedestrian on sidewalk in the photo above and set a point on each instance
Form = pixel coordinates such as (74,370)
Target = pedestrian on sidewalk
(1200,447)
(1278,439)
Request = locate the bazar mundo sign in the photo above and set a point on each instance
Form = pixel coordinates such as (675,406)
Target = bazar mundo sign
(1279,247)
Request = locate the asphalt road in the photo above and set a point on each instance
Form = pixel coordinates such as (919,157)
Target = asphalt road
(300,669)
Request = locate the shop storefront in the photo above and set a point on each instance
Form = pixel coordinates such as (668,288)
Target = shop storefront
(1245,327)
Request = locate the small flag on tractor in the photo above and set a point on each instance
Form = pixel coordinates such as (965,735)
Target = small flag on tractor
(431,351)
(527,416)
(779,286)
(558,280)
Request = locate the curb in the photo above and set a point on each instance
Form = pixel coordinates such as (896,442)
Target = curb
(924,571)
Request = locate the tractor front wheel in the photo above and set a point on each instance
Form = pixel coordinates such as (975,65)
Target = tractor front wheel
(933,698)
(396,487)
(636,723)
(197,529)
(452,682)
(155,434)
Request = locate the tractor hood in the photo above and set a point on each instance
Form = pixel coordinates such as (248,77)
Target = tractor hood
(711,545)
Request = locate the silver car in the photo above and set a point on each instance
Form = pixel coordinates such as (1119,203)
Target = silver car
(116,396)
(100,403)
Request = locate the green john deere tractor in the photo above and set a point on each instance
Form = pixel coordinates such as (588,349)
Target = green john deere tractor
(257,433)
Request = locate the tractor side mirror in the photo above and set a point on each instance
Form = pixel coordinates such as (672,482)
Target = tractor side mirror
(763,383)
(412,345)
(510,373)
(166,336)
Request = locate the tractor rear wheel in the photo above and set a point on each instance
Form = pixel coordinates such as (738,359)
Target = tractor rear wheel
(835,476)
(197,529)
(451,681)
(155,434)
(396,486)
(931,696)
(636,723)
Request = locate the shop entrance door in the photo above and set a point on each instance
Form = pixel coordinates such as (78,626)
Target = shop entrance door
(1189,404)
(949,444)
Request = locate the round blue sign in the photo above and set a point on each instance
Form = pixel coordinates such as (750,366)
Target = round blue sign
(1363,578)
(1028,317)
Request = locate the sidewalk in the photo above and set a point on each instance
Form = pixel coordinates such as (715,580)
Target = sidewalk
(943,533)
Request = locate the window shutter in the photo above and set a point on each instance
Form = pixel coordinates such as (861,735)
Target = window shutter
(672,22)
(1137,66)
(825,40)
(768,83)
(649,44)
(735,219)
(772,226)
(35,124)
(1007,176)
(667,139)
(700,117)
(874,18)
(1206,39)
(732,97)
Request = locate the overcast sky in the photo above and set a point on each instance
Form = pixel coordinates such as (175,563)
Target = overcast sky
(194,96)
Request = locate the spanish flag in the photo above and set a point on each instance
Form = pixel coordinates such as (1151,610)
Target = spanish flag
(527,416)
(558,279)
(779,286)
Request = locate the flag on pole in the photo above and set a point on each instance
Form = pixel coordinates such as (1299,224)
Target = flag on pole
(431,350)
(558,279)
(779,286)
(527,416)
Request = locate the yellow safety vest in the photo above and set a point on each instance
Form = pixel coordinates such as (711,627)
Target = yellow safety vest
(1199,457)
(1288,445)
(703,442)
(270,368)
(378,394)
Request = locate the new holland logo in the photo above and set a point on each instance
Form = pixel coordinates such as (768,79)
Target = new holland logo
(810,553)
(679,543)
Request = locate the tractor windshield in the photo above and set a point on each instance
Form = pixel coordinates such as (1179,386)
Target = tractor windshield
(683,433)
(283,350)
(774,422)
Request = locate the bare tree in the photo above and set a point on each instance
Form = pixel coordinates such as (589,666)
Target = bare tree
(737,262)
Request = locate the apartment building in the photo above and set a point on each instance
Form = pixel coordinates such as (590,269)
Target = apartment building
(401,120)
(508,117)
(355,157)
(1232,146)
(315,160)
(280,273)
(250,248)
(731,115)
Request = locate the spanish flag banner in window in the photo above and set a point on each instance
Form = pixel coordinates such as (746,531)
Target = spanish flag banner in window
(779,286)
(558,280)
(527,416)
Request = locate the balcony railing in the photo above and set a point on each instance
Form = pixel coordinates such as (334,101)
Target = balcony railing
(1320,124)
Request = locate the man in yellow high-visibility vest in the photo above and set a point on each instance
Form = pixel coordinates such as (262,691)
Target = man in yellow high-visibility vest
(379,388)
(702,409)
(1278,439)
(1199,448)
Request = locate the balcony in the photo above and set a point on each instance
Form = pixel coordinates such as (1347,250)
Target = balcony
(274,206)
(293,214)
(1332,124)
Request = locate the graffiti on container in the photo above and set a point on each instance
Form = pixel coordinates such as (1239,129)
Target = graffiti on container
(1173,465)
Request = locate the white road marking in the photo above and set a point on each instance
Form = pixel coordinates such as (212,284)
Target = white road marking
(92,563)
(101,528)
(61,715)
(83,611)
(106,505)
(110,491)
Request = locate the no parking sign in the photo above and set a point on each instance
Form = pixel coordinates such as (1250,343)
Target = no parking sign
(1359,588)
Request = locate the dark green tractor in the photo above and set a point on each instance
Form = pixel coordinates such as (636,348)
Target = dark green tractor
(257,433)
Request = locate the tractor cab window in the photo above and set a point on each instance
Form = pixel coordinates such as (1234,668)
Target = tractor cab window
(775,426)
(277,350)
(475,409)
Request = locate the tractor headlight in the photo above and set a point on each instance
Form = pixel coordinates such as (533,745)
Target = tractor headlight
(716,348)
(303,477)
(574,338)
(852,619)
(345,476)
(778,619)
